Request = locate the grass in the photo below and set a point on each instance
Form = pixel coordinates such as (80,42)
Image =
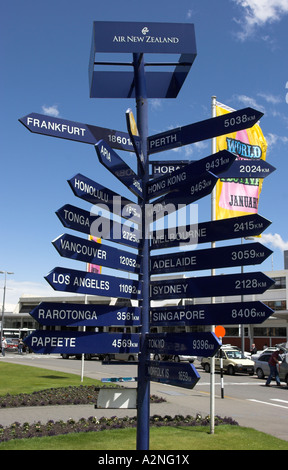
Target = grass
(17,379)
(164,438)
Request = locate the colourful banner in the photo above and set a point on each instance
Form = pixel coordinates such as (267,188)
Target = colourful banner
(239,196)
(94,268)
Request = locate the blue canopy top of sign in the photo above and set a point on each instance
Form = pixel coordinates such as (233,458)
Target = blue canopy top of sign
(140,38)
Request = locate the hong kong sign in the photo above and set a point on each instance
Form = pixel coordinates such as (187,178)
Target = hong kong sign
(210,286)
(66,314)
(82,282)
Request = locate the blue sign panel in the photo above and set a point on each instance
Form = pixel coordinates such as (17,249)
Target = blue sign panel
(96,253)
(216,163)
(66,314)
(81,282)
(191,191)
(95,193)
(210,286)
(119,168)
(70,130)
(83,221)
(79,342)
(186,344)
(182,375)
(141,37)
(214,127)
(223,257)
(210,314)
(162,168)
(251,168)
(225,229)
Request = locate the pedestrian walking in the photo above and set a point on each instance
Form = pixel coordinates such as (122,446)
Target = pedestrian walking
(3,346)
(274,363)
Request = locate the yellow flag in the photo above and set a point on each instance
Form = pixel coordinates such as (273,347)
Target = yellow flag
(239,196)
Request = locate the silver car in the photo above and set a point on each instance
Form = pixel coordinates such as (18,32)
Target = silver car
(262,369)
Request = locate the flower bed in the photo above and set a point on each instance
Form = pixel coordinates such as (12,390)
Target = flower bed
(54,428)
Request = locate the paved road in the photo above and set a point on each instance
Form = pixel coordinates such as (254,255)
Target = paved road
(246,399)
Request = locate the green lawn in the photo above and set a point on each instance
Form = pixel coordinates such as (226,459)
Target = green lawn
(26,379)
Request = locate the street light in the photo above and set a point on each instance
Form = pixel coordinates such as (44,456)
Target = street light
(3,306)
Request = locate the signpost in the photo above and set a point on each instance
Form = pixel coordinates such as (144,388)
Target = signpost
(205,314)
(71,130)
(96,253)
(214,127)
(162,168)
(196,344)
(59,314)
(223,257)
(95,193)
(236,227)
(98,226)
(215,163)
(189,183)
(81,342)
(119,168)
(211,286)
(181,375)
(81,282)
(251,168)
(188,192)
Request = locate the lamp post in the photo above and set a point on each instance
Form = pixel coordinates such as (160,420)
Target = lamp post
(3,306)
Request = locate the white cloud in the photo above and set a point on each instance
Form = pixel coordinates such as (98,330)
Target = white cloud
(274,139)
(275,240)
(271,99)
(15,289)
(248,101)
(257,13)
(51,110)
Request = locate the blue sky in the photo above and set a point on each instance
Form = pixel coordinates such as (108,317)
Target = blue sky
(242,59)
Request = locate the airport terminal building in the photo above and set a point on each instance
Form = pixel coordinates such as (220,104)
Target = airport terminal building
(272,331)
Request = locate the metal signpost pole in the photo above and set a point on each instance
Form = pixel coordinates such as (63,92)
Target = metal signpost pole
(143,410)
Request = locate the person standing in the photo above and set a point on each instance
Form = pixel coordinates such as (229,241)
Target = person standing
(274,362)
(3,345)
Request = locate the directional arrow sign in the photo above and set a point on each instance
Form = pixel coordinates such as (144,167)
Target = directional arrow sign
(95,193)
(210,314)
(223,257)
(79,342)
(214,127)
(182,375)
(96,253)
(85,133)
(248,169)
(66,314)
(196,344)
(216,163)
(162,168)
(190,192)
(225,229)
(119,168)
(210,286)
(81,282)
(78,219)
(134,136)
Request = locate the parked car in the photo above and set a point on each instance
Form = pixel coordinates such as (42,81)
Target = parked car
(180,358)
(11,344)
(233,361)
(130,357)
(79,356)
